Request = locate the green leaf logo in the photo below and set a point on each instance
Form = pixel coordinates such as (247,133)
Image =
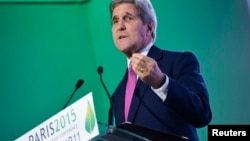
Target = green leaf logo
(90,119)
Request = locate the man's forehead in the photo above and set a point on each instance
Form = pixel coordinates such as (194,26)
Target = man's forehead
(125,9)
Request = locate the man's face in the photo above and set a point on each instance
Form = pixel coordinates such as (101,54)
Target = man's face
(129,33)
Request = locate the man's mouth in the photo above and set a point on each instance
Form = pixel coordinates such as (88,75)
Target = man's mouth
(122,36)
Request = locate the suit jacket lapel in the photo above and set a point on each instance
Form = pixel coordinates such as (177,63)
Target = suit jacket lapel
(120,99)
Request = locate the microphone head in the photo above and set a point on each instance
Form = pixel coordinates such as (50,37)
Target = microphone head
(100,69)
(79,83)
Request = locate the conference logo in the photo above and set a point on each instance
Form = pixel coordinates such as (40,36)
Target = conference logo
(90,119)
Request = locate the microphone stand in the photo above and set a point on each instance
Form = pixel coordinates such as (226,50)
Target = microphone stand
(70,98)
(110,120)
(78,85)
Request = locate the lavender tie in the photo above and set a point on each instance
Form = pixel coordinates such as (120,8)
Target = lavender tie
(129,90)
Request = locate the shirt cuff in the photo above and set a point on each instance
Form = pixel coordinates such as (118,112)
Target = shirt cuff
(163,90)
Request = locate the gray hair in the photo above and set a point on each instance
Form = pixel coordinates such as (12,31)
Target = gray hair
(145,10)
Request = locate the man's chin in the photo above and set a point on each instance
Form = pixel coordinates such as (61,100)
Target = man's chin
(125,50)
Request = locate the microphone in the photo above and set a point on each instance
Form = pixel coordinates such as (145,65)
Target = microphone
(110,117)
(78,85)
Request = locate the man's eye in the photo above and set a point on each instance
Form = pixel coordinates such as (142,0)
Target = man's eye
(127,18)
(114,21)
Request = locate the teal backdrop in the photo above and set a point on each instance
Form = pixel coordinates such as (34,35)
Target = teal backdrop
(46,47)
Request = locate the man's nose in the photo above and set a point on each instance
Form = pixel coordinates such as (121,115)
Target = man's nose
(121,25)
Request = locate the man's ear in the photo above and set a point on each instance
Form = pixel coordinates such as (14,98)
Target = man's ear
(150,28)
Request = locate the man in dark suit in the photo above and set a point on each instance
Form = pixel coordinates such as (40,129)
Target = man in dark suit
(170,94)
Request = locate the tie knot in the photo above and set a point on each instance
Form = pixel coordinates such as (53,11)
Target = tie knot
(130,67)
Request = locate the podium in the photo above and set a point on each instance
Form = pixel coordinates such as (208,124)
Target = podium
(131,132)
(78,122)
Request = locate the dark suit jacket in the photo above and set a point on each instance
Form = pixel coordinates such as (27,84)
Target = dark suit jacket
(186,107)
